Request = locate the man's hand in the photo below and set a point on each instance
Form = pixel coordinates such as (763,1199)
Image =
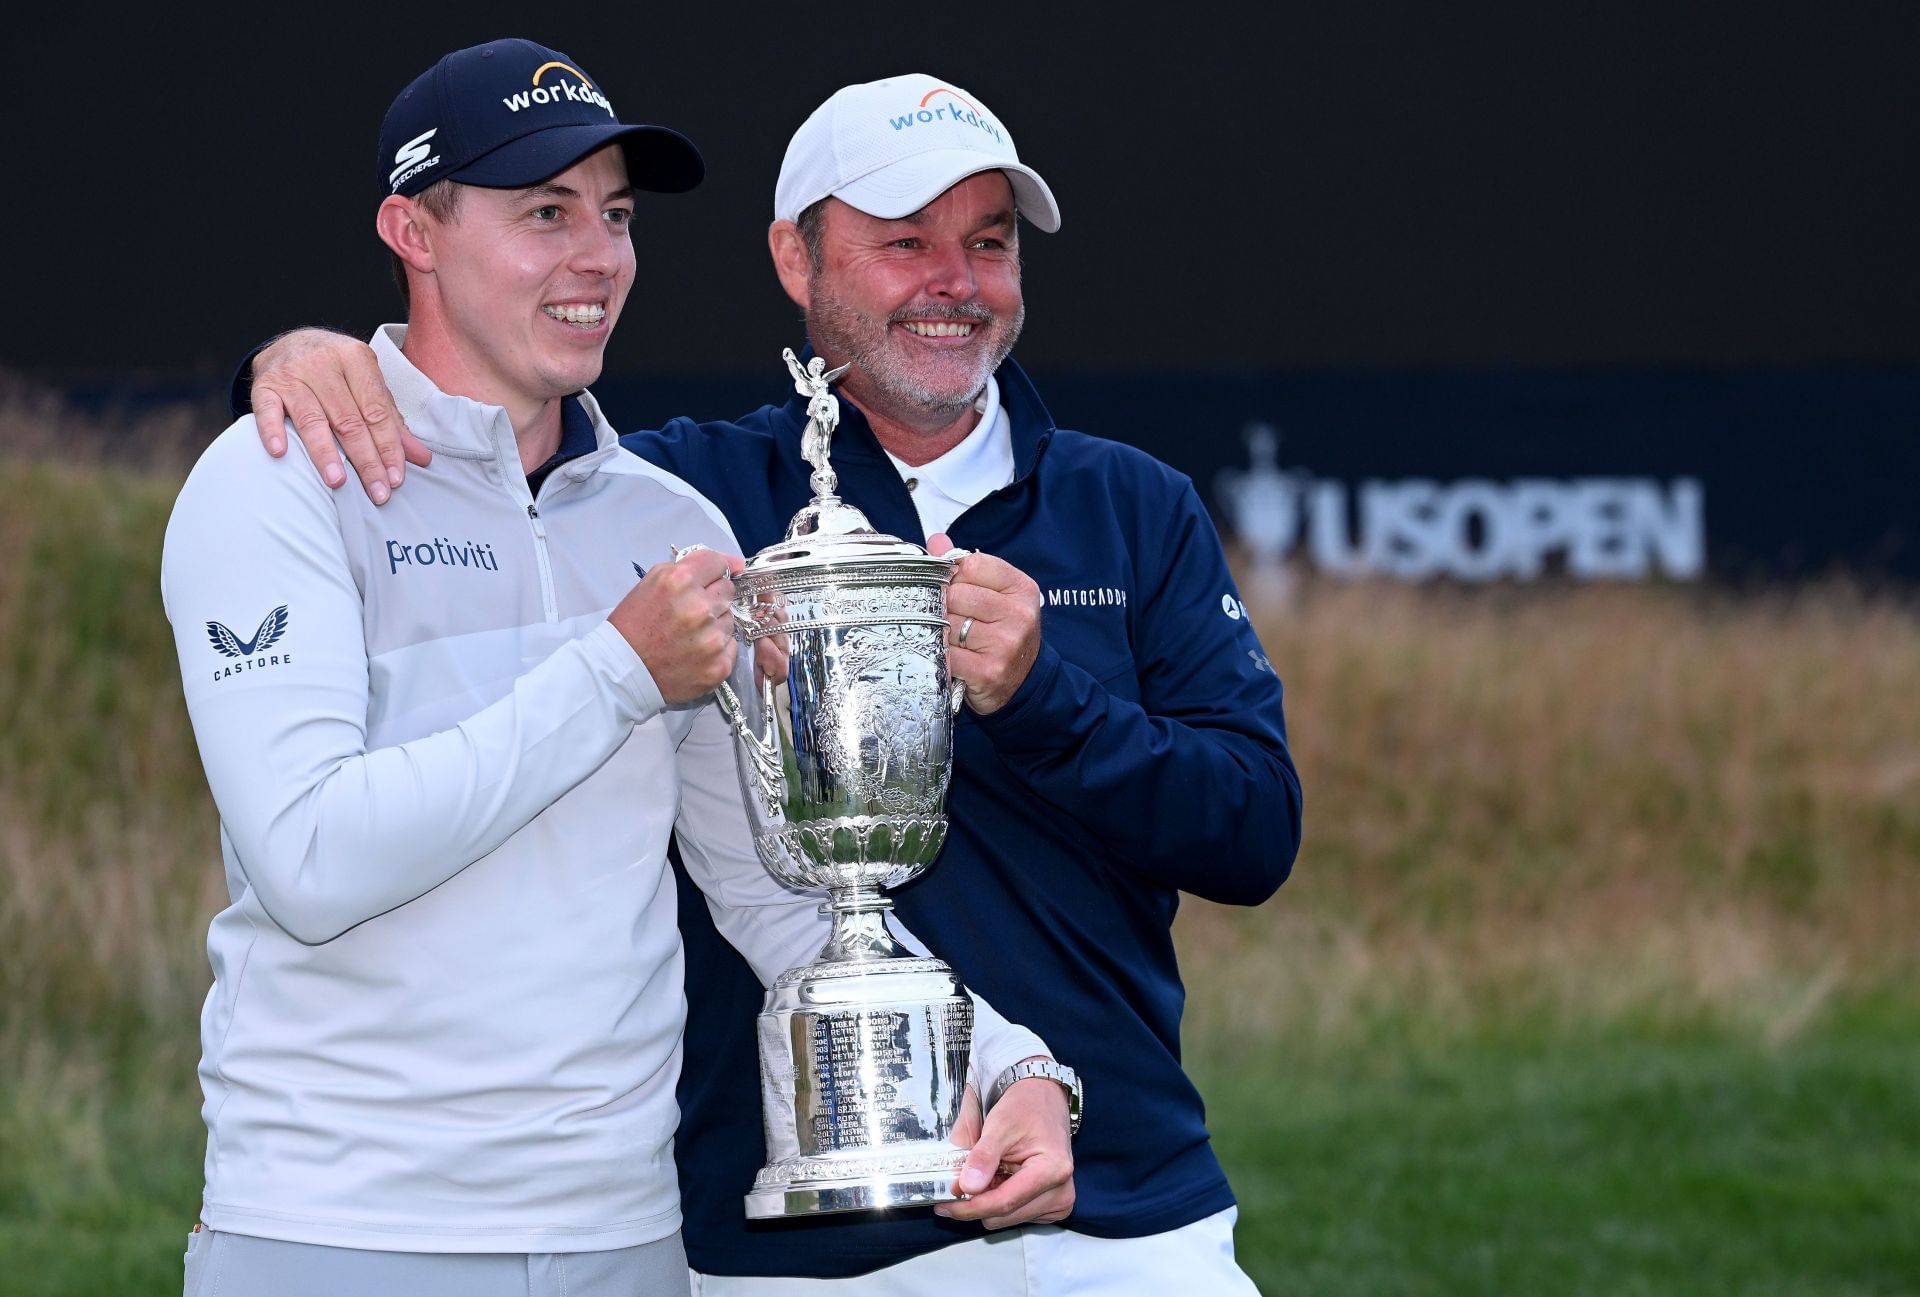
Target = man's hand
(330,386)
(770,654)
(679,619)
(1026,1136)
(995,608)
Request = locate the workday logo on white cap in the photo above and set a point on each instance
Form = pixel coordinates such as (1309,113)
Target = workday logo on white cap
(891,147)
(945,104)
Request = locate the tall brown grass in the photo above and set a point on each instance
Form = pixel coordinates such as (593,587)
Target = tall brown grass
(1645,804)
(1549,805)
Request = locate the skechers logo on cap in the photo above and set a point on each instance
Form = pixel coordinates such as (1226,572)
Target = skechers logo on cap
(414,157)
(953,108)
(561,91)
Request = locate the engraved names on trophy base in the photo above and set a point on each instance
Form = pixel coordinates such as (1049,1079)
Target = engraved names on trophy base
(861,1087)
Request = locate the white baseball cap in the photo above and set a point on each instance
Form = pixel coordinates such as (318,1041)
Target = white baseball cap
(891,147)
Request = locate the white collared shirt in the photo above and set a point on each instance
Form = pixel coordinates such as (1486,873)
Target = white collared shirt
(947,487)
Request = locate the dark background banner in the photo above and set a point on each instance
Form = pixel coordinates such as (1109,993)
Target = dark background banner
(1483,474)
(1440,243)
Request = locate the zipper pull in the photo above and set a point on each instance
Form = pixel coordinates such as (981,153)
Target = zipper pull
(533,512)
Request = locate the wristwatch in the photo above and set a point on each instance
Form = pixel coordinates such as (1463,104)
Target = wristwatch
(1046,1068)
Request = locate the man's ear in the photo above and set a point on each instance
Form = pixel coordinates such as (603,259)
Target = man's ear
(402,226)
(791,261)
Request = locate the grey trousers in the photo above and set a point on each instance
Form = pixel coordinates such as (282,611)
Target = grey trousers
(239,1265)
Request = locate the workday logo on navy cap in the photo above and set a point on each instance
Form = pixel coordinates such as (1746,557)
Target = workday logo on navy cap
(511,113)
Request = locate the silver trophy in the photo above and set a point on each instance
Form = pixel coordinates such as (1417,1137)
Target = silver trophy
(863,1053)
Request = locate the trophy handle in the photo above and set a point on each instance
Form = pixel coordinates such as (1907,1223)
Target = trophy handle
(956,691)
(762,751)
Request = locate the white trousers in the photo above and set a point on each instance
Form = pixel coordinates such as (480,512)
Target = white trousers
(238,1265)
(1035,1261)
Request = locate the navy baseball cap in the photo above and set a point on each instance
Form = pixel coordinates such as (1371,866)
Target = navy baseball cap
(511,113)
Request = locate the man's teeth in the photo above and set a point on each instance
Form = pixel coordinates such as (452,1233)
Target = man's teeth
(946,329)
(572,314)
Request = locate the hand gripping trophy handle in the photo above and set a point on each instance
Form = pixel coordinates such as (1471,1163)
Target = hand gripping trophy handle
(956,690)
(762,750)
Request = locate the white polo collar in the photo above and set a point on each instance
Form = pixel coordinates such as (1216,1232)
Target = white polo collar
(981,464)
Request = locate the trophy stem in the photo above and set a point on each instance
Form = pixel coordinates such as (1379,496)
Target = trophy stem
(860,932)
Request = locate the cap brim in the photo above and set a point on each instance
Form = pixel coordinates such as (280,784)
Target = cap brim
(659,159)
(902,188)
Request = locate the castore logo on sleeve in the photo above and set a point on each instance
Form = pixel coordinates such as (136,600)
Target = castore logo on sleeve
(250,653)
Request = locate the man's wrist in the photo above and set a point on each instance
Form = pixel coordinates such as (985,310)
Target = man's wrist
(1045,1069)
(240,388)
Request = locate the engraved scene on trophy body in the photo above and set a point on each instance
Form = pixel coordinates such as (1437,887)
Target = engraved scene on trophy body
(864,735)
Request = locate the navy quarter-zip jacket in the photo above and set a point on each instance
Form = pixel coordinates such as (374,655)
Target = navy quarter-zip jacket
(1144,756)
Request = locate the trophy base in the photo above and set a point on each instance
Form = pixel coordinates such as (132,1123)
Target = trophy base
(819,1186)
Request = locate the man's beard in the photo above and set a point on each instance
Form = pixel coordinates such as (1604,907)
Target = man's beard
(842,333)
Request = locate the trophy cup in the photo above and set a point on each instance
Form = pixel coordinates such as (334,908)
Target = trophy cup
(863,1053)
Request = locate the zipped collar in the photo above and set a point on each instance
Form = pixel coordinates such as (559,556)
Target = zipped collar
(469,429)
(1028,420)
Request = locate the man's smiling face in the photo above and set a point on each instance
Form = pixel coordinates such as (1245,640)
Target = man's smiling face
(926,306)
(532,280)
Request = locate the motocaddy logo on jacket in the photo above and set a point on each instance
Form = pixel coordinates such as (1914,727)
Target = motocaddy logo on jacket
(1102,596)
(561,91)
(250,653)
